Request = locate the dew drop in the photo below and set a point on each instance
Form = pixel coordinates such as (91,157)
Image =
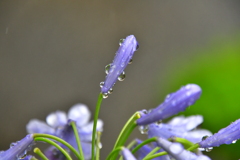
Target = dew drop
(204,137)
(121,41)
(130,62)
(159,122)
(143,129)
(110,91)
(105,95)
(122,76)
(234,141)
(99,145)
(107,68)
(209,149)
(137,47)
(101,84)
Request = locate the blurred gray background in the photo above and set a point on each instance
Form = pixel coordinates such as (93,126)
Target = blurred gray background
(53,54)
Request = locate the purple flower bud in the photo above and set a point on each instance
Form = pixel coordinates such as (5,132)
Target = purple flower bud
(179,127)
(19,149)
(121,60)
(177,151)
(127,155)
(226,135)
(173,104)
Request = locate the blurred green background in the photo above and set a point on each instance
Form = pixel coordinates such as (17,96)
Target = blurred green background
(53,54)
(216,69)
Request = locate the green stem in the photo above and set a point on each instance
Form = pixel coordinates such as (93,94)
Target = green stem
(55,145)
(98,105)
(144,143)
(127,129)
(36,135)
(98,146)
(155,155)
(114,153)
(152,152)
(73,124)
(39,153)
(193,147)
(186,143)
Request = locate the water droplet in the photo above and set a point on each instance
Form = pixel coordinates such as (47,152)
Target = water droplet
(137,47)
(121,41)
(159,122)
(143,129)
(13,144)
(122,76)
(130,62)
(99,145)
(234,141)
(209,149)
(101,84)
(105,95)
(204,137)
(110,91)
(107,68)
(144,111)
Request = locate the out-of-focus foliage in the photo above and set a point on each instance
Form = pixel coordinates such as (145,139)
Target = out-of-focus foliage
(216,69)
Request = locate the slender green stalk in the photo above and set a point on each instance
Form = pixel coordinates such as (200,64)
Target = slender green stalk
(131,144)
(127,130)
(33,158)
(55,145)
(98,145)
(98,105)
(186,143)
(73,124)
(152,152)
(144,143)
(39,153)
(35,135)
(155,155)
(114,152)
(193,147)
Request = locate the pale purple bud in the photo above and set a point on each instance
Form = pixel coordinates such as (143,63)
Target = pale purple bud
(127,155)
(226,135)
(18,149)
(121,60)
(173,104)
(177,151)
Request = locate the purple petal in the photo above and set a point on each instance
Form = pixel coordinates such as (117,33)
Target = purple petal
(53,153)
(127,155)
(186,123)
(37,126)
(173,104)
(177,151)
(120,62)
(167,131)
(79,113)
(226,135)
(56,119)
(18,149)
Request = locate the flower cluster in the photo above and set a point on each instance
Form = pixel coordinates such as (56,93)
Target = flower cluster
(72,134)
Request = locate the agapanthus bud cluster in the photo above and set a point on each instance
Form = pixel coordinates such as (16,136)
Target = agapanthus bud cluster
(72,133)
